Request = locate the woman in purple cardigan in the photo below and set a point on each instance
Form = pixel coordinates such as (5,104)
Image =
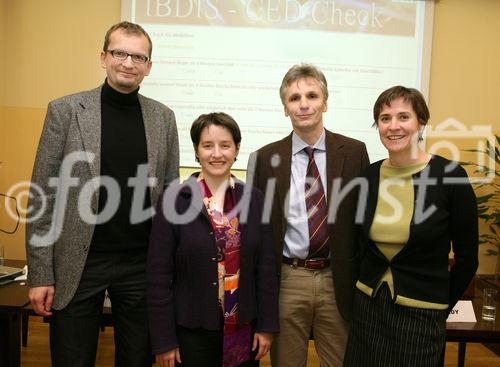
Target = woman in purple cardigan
(212,279)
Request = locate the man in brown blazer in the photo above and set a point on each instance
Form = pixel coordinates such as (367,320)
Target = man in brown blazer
(315,252)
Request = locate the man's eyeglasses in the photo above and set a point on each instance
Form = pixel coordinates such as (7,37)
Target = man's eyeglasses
(122,55)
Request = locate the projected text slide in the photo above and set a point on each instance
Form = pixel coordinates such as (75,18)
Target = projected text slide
(231,56)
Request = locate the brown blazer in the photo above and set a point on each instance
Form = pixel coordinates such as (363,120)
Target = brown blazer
(345,159)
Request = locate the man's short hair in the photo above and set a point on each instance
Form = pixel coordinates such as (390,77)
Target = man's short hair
(217,119)
(129,28)
(411,95)
(303,71)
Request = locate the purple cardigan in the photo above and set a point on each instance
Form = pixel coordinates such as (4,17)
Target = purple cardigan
(182,269)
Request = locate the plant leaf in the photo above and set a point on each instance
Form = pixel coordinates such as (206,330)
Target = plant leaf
(475,151)
(484,198)
(490,252)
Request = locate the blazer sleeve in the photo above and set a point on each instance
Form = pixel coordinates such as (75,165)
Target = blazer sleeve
(160,281)
(266,276)
(362,201)
(365,160)
(253,171)
(464,235)
(42,200)
(172,168)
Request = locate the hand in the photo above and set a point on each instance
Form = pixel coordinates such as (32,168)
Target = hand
(168,359)
(41,299)
(263,341)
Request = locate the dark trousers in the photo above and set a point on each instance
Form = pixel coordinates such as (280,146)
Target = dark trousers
(202,348)
(74,330)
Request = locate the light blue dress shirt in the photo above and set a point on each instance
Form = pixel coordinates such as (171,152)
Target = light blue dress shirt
(297,233)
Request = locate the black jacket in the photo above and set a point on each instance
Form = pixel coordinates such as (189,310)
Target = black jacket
(182,269)
(448,217)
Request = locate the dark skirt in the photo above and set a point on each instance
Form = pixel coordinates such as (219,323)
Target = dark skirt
(385,334)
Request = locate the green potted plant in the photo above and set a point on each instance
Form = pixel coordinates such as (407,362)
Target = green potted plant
(488,201)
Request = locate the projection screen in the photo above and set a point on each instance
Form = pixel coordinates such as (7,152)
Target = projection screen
(231,55)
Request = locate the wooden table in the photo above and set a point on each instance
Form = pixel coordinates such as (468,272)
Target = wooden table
(474,332)
(13,297)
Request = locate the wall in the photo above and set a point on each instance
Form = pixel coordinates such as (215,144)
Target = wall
(55,46)
(3,37)
(3,223)
(465,77)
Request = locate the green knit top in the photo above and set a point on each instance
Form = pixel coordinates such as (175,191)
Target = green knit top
(390,229)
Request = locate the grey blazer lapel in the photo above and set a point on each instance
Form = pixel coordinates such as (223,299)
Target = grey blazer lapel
(89,121)
(152,127)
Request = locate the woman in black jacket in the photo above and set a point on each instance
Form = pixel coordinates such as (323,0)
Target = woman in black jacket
(212,279)
(418,206)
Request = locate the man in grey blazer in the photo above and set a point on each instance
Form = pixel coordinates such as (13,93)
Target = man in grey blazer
(104,158)
(304,175)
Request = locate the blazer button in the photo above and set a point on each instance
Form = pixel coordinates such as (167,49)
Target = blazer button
(85,248)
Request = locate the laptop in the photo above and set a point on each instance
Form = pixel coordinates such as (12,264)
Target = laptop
(8,274)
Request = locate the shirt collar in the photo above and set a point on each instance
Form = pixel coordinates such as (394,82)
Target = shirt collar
(298,144)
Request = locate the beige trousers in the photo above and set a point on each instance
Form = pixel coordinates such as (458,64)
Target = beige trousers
(307,302)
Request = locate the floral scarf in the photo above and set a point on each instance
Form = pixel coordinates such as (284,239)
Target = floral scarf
(237,338)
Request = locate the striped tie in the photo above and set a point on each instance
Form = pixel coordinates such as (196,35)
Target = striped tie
(317,213)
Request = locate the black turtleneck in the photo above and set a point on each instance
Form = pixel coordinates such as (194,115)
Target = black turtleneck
(123,148)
